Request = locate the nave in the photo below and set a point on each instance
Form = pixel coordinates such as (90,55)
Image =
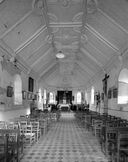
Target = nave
(66,141)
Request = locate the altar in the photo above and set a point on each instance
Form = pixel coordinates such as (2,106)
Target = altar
(64,107)
(64,100)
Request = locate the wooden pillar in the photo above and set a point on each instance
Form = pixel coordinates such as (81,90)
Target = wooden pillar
(105,81)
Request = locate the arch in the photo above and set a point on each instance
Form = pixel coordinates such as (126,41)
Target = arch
(40,95)
(123,76)
(45,96)
(123,87)
(17,90)
(92,95)
(79,97)
(86,97)
(51,98)
(1,68)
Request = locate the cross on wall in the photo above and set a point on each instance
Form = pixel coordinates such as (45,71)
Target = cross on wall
(105,81)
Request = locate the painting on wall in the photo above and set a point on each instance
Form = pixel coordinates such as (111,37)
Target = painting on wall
(109,94)
(9,91)
(29,96)
(115,92)
(35,96)
(24,95)
(102,96)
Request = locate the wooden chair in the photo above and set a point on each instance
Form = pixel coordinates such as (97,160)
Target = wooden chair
(12,125)
(88,122)
(3,125)
(109,140)
(23,123)
(36,129)
(53,117)
(29,136)
(122,147)
(43,126)
(10,145)
(22,127)
(96,127)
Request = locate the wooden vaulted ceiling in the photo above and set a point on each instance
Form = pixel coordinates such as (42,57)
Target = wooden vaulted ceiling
(90,33)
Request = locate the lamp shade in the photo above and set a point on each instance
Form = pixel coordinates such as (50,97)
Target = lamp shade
(60,55)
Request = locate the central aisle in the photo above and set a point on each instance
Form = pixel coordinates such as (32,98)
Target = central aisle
(66,141)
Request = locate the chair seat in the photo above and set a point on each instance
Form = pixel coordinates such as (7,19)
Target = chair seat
(29,134)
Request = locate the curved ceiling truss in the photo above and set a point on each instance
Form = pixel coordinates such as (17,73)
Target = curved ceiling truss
(90,33)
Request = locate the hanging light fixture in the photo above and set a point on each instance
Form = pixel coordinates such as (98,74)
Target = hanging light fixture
(1,1)
(60,55)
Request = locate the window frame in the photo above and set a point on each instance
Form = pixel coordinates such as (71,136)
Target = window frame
(121,81)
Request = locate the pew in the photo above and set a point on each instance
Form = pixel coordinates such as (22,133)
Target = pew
(11,145)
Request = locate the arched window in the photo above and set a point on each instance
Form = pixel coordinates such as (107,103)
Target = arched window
(40,100)
(17,90)
(79,98)
(40,96)
(45,96)
(86,97)
(92,95)
(123,87)
(51,97)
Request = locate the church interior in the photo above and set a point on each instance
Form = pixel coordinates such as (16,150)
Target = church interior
(63,80)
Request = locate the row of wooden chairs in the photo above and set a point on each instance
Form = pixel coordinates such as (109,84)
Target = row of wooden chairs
(111,131)
(36,126)
(29,130)
(11,145)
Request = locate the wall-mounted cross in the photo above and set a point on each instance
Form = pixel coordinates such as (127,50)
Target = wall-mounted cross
(105,81)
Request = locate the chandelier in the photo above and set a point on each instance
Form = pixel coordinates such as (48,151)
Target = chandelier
(60,55)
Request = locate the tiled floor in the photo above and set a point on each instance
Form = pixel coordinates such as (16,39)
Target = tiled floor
(66,141)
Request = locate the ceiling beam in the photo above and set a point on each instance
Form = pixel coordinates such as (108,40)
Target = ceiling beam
(45,14)
(40,58)
(45,65)
(21,64)
(84,17)
(48,68)
(85,67)
(113,21)
(65,24)
(83,58)
(91,57)
(7,49)
(98,50)
(83,77)
(51,75)
(9,52)
(100,37)
(16,24)
(28,41)
(36,51)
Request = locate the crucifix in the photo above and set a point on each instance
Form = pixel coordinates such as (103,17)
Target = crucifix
(105,81)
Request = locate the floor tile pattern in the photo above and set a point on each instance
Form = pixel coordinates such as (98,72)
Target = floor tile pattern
(66,141)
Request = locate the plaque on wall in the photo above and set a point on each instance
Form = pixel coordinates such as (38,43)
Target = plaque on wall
(115,92)
(35,96)
(24,95)
(9,91)
(109,94)
(102,96)
(29,96)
